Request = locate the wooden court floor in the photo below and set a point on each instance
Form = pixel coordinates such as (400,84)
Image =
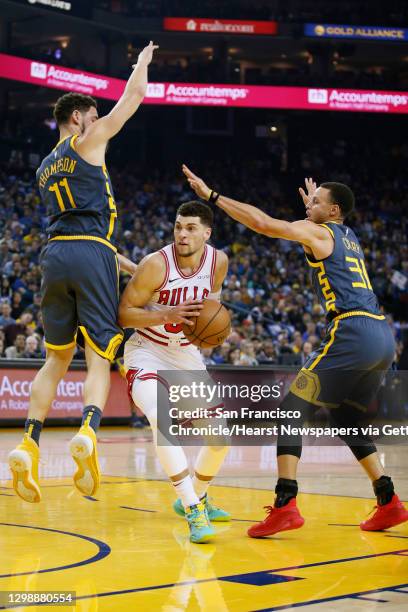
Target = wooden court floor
(126,550)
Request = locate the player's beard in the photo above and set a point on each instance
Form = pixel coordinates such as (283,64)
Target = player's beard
(189,254)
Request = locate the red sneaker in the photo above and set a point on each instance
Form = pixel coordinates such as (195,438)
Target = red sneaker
(386,516)
(278,519)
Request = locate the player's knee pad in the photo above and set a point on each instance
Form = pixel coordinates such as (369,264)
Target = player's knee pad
(291,443)
(361,450)
(349,418)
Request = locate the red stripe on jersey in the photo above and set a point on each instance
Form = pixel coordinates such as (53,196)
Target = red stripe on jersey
(130,377)
(213,265)
(152,339)
(162,343)
(166,276)
(153,376)
(156,333)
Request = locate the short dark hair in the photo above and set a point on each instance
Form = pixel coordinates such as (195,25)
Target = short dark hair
(342,195)
(70,102)
(197,209)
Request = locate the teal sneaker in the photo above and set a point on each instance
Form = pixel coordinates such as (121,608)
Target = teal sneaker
(214,514)
(200,527)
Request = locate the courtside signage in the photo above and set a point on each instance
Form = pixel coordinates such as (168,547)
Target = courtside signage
(324,30)
(15,389)
(199,94)
(219,26)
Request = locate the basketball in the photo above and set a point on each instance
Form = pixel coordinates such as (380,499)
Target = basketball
(211,328)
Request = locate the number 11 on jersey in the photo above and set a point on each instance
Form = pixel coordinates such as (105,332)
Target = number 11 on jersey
(55,187)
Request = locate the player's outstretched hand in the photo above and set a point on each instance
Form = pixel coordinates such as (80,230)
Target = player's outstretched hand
(146,55)
(197,184)
(183,312)
(310,190)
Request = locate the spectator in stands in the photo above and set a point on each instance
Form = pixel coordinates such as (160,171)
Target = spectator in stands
(17,350)
(16,306)
(233,356)
(5,315)
(268,354)
(24,326)
(31,350)
(2,355)
(306,350)
(35,307)
(247,355)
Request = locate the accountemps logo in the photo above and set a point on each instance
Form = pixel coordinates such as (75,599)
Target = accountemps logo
(38,70)
(317,96)
(155,90)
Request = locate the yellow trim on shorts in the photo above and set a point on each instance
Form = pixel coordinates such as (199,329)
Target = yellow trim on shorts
(60,347)
(359,313)
(85,237)
(336,320)
(111,349)
(326,348)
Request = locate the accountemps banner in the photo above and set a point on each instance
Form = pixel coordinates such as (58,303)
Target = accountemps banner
(15,387)
(325,30)
(220,26)
(198,94)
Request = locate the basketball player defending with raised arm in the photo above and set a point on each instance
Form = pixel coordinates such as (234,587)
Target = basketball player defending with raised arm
(165,291)
(80,275)
(358,348)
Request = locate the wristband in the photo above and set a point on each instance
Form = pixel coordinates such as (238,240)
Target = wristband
(213,197)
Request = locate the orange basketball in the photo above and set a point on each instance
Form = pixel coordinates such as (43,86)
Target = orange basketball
(211,327)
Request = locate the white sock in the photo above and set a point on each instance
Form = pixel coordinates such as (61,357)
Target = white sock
(200,486)
(185,491)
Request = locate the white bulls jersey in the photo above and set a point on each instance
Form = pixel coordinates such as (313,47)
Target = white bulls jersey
(165,346)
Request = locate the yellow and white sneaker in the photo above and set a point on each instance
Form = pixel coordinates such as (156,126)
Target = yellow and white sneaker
(83,450)
(23,462)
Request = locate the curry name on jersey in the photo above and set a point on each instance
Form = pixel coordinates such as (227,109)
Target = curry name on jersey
(78,196)
(341,281)
(176,289)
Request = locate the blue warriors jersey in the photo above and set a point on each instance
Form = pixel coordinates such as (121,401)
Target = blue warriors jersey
(78,196)
(341,281)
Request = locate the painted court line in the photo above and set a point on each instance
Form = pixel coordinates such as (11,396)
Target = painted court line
(262,572)
(103,551)
(336,598)
(138,509)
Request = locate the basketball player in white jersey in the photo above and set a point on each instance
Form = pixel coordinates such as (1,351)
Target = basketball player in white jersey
(165,291)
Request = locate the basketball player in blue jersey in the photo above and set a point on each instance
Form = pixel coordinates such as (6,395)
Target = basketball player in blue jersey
(80,268)
(345,372)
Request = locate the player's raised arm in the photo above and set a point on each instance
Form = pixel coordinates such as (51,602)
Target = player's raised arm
(149,275)
(105,128)
(304,232)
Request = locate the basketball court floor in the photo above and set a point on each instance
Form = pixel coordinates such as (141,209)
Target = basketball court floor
(125,549)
